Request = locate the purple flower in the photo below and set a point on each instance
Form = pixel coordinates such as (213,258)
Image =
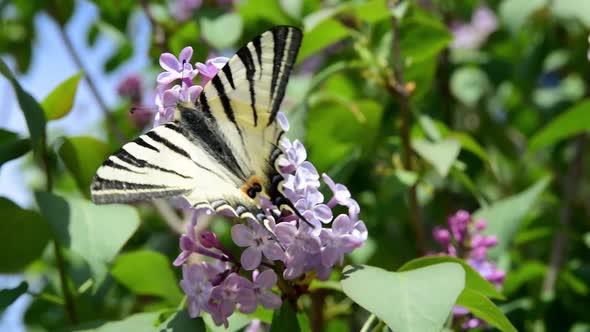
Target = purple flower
(263,283)
(183,9)
(234,290)
(458,224)
(131,87)
(473,34)
(294,155)
(301,243)
(256,239)
(209,69)
(197,288)
(176,68)
(339,240)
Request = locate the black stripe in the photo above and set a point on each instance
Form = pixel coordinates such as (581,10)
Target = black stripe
(205,106)
(217,204)
(199,128)
(227,71)
(112,164)
(229,112)
(141,142)
(132,160)
(276,152)
(278,35)
(246,56)
(258,48)
(295,42)
(104,184)
(240,210)
(153,135)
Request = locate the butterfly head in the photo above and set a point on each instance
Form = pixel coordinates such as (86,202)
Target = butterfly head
(252,188)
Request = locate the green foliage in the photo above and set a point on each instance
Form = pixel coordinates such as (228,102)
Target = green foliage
(485,309)
(11,146)
(326,33)
(82,156)
(504,217)
(9,295)
(96,233)
(59,102)
(23,236)
(131,268)
(423,297)
(223,31)
(574,121)
(285,319)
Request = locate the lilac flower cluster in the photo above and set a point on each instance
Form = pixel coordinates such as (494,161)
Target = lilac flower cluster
(181,69)
(219,286)
(473,34)
(463,238)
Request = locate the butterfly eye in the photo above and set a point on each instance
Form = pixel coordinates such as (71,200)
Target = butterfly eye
(251,192)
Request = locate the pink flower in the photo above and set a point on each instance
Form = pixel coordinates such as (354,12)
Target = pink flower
(209,69)
(176,68)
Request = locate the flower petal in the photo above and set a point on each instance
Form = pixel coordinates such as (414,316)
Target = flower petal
(169,62)
(266,280)
(166,77)
(269,300)
(185,55)
(251,258)
(273,251)
(242,235)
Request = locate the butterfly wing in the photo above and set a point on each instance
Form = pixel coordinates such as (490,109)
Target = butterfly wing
(213,148)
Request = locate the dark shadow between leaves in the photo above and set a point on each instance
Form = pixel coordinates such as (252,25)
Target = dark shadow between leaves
(351,269)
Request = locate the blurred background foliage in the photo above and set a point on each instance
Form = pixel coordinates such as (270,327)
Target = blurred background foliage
(494,109)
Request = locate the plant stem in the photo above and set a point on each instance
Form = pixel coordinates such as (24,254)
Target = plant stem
(367,326)
(396,86)
(318,301)
(61,267)
(111,121)
(560,240)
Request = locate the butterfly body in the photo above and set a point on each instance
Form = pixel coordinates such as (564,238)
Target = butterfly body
(220,151)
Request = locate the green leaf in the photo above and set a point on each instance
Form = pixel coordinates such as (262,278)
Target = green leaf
(59,102)
(135,323)
(504,217)
(524,274)
(575,120)
(373,11)
(223,31)
(185,35)
(96,233)
(254,11)
(82,156)
(11,146)
(470,144)
(473,280)
(236,322)
(33,112)
(441,154)
(131,268)
(285,319)
(423,298)
(485,309)
(514,13)
(293,8)
(422,38)
(326,33)
(8,296)
(181,322)
(23,236)
(469,84)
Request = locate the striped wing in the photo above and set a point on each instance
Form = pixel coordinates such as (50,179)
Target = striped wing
(213,149)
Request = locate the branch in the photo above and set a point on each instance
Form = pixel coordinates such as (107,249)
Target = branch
(172,220)
(111,121)
(159,36)
(397,87)
(61,268)
(570,188)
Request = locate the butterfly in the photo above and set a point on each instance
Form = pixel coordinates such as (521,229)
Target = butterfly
(220,152)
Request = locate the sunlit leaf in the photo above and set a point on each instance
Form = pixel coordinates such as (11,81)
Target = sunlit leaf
(140,322)
(82,156)
(96,233)
(441,154)
(59,102)
(485,309)
(181,322)
(504,217)
(469,84)
(574,121)
(23,236)
(473,280)
(423,297)
(422,38)
(223,31)
(131,269)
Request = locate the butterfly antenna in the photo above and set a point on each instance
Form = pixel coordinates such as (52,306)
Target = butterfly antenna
(284,201)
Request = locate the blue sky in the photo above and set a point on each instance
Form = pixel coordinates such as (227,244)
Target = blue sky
(51,64)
